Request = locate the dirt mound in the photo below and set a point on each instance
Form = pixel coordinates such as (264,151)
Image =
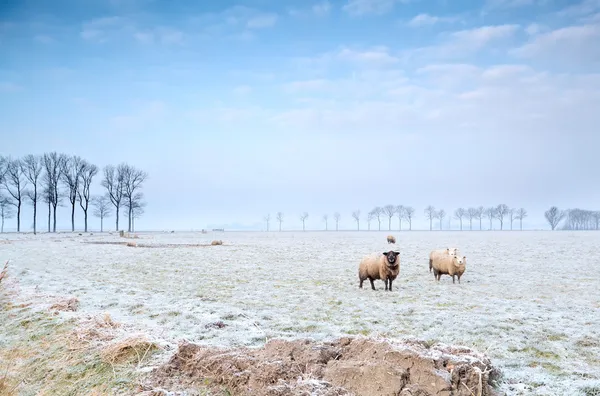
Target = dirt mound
(348,366)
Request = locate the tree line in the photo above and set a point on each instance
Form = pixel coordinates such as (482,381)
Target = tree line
(52,177)
(572,219)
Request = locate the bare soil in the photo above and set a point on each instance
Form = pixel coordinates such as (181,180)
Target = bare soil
(346,366)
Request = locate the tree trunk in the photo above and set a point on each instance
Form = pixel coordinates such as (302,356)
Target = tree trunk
(73,217)
(85,219)
(2,230)
(54,218)
(521,224)
(480,224)
(19,217)
(34,214)
(101,224)
(117,221)
(49,215)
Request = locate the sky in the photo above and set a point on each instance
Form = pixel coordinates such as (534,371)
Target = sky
(237,109)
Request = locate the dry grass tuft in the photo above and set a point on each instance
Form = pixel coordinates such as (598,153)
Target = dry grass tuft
(4,272)
(67,304)
(134,348)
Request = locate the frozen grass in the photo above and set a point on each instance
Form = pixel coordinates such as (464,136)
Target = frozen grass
(530,300)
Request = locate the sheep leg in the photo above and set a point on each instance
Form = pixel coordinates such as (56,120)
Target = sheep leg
(372,284)
(360,285)
(386,283)
(453,279)
(459,279)
(430,264)
(390,285)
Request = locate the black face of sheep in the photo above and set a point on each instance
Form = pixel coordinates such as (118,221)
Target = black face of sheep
(391,257)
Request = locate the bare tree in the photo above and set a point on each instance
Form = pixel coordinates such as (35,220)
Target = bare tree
(596,216)
(114,183)
(409,213)
(53,164)
(389,211)
(267,220)
(325,219)
(431,214)
(580,219)
(337,217)
(6,210)
(378,212)
(279,217)
(132,181)
(400,213)
(32,167)
(554,216)
(14,182)
(101,208)
(71,177)
(460,213)
(521,214)
(512,215)
(471,214)
(356,217)
(440,215)
(370,217)
(480,214)
(303,218)
(83,192)
(491,215)
(136,208)
(500,213)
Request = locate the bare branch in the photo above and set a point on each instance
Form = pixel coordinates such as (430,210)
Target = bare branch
(408,214)
(356,217)
(431,214)
(279,217)
(83,192)
(460,214)
(14,182)
(337,217)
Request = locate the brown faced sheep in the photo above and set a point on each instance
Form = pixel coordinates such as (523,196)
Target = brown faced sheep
(446,264)
(391,239)
(385,267)
(447,251)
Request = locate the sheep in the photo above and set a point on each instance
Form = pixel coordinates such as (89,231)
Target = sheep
(385,267)
(449,265)
(215,243)
(391,239)
(448,251)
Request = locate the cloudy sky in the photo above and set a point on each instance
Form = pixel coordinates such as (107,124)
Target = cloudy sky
(238,109)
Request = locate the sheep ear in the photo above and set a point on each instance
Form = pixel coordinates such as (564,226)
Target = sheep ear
(385,253)
(396,252)
(464,257)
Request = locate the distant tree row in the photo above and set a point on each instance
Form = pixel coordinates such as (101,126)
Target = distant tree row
(573,219)
(388,213)
(51,177)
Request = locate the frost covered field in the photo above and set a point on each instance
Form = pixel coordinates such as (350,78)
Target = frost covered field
(530,300)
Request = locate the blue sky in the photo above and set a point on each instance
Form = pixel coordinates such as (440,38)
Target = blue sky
(238,109)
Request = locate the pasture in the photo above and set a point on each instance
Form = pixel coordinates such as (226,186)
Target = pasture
(529,300)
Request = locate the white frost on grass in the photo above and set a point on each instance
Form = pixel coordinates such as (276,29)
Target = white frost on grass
(530,300)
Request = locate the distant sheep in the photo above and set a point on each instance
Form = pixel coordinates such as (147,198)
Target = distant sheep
(385,267)
(447,251)
(214,243)
(391,239)
(447,264)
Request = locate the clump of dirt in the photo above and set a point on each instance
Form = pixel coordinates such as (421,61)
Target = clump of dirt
(346,366)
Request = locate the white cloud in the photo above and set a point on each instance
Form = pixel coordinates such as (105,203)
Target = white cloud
(460,44)
(160,35)
(534,28)
(429,20)
(584,8)
(100,28)
(365,7)
(320,9)
(144,114)
(573,44)
(510,3)
(262,21)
